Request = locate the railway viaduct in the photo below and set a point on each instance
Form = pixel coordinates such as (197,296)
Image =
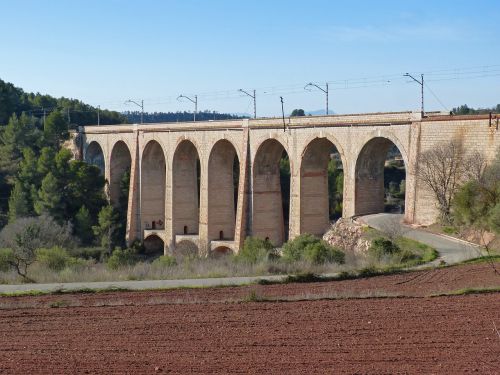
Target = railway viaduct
(182,175)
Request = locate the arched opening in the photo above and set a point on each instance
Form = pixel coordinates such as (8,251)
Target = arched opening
(380,178)
(121,161)
(271,192)
(321,186)
(186,189)
(95,156)
(223,179)
(153,245)
(221,251)
(119,184)
(186,248)
(153,180)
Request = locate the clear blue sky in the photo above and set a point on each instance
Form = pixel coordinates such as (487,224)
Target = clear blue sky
(106,51)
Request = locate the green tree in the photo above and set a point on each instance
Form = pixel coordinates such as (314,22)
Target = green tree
(20,132)
(50,198)
(297,113)
(108,228)
(83,226)
(18,203)
(24,236)
(55,129)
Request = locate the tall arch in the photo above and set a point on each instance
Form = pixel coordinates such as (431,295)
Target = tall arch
(270,201)
(95,156)
(186,180)
(153,184)
(223,177)
(370,184)
(321,186)
(120,163)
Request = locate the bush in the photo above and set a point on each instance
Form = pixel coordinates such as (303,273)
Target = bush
(383,247)
(121,258)
(55,258)
(165,261)
(95,253)
(408,256)
(312,249)
(321,252)
(450,230)
(255,250)
(6,259)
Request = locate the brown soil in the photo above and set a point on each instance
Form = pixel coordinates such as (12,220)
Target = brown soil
(200,331)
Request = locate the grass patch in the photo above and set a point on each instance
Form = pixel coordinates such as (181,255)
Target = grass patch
(34,293)
(467,291)
(253,296)
(482,259)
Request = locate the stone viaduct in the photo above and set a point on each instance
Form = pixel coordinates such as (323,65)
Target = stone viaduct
(182,175)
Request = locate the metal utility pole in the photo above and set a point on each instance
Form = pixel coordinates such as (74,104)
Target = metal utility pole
(310,84)
(421,83)
(195,102)
(254,101)
(98,115)
(283,114)
(139,105)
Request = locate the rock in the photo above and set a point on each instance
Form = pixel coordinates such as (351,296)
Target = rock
(347,235)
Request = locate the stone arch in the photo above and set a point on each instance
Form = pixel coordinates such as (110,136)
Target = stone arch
(185,248)
(153,244)
(153,185)
(334,141)
(317,207)
(223,175)
(221,251)
(120,162)
(185,185)
(369,175)
(95,156)
(268,217)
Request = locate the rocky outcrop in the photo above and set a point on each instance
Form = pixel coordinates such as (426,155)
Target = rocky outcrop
(347,235)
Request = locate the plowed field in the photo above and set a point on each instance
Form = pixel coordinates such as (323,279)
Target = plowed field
(209,331)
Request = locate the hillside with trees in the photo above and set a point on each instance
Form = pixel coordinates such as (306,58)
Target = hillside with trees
(134,117)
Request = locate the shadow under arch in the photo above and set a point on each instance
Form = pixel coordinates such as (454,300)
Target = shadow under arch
(153,185)
(95,156)
(223,179)
(186,175)
(153,244)
(120,163)
(321,186)
(271,199)
(370,184)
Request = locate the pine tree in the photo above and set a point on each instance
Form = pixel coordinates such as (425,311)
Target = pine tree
(83,226)
(50,199)
(55,129)
(18,203)
(108,228)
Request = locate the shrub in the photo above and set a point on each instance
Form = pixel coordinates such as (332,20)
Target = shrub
(25,235)
(165,261)
(312,249)
(121,258)
(255,250)
(55,258)
(408,256)
(383,247)
(95,253)
(449,230)
(6,259)
(320,253)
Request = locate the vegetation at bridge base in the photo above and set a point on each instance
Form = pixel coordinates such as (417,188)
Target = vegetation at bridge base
(307,247)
